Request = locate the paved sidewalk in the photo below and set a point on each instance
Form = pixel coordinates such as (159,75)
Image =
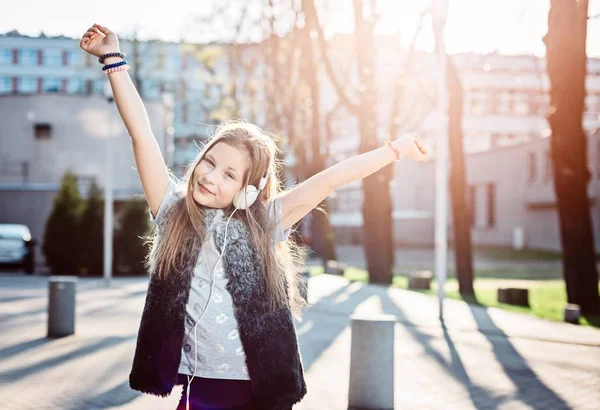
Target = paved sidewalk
(481,359)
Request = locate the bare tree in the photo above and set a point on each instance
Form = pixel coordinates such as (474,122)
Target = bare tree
(322,233)
(566,66)
(283,74)
(461,215)
(377,204)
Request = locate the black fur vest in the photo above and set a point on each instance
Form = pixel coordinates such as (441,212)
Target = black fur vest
(268,337)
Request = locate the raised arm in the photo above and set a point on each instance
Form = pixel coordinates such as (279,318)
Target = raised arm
(99,40)
(299,201)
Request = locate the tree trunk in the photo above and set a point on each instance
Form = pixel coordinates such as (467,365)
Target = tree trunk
(458,184)
(322,233)
(377,202)
(566,65)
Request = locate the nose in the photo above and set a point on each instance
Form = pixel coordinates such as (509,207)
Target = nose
(210,178)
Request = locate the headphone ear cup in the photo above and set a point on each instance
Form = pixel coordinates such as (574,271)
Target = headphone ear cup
(251,195)
(242,201)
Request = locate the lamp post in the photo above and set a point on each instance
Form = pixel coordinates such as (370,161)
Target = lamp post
(439,12)
(108,192)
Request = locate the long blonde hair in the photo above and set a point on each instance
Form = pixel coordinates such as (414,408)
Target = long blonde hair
(281,262)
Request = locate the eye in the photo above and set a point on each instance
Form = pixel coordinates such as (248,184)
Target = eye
(209,161)
(230,175)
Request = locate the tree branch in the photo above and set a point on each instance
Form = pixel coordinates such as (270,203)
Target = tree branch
(398,94)
(314,18)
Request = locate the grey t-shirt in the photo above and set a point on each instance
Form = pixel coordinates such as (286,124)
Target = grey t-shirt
(218,348)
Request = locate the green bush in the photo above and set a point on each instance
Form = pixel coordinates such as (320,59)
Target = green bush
(130,249)
(61,245)
(92,232)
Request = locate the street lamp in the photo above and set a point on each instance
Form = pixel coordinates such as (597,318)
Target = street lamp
(108,192)
(439,12)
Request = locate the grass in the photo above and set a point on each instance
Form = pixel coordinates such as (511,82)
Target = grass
(547,293)
(514,255)
(524,255)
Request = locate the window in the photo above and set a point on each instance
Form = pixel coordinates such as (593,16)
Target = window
(521,105)
(532,166)
(592,103)
(75,86)
(74,59)
(52,57)
(494,98)
(28,57)
(491,205)
(476,107)
(42,130)
(534,102)
(514,101)
(150,89)
(98,87)
(51,85)
(5,85)
(478,102)
(6,56)
(332,204)
(27,85)
(173,62)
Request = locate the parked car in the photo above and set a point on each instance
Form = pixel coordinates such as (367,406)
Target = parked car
(17,247)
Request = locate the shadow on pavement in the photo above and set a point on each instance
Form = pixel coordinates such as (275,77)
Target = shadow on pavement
(455,368)
(117,396)
(324,330)
(9,351)
(528,384)
(101,344)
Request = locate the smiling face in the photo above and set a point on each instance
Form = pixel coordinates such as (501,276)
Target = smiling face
(219,176)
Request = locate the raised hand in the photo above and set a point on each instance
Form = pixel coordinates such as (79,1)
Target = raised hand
(99,40)
(412,147)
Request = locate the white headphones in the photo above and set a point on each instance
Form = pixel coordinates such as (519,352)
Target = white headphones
(246,197)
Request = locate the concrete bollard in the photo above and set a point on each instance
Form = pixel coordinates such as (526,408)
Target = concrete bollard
(572,313)
(514,296)
(61,306)
(420,280)
(334,267)
(372,362)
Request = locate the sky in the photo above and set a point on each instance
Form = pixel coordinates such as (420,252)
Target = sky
(504,26)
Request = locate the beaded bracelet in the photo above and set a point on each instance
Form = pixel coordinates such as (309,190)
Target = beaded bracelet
(115,69)
(105,56)
(113,65)
(396,150)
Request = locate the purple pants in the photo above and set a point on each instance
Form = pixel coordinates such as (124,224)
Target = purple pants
(216,394)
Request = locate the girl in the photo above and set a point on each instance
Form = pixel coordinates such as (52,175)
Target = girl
(222,290)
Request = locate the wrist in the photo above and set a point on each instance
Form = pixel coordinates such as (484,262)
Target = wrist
(394,150)
(111,60)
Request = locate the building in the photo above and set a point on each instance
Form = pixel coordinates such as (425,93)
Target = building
(43,136)
(504,104)
(507,159)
